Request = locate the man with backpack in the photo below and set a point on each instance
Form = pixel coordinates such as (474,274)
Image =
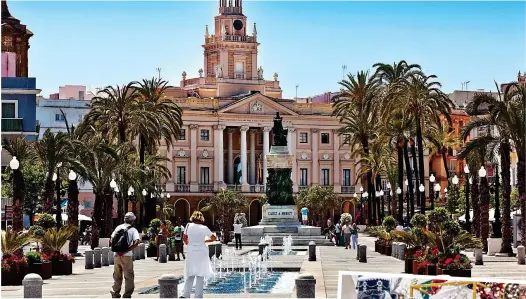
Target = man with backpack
(123,240)
(178,230)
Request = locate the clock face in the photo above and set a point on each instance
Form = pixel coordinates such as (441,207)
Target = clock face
(238,25)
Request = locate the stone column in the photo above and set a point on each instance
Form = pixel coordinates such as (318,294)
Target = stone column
(252,134)
(315,163)
(97,258)
(292,151)
(104,256)
(194,187)
(244,181)
(230,156)
(521,260)
(88,259)
(32,283)
(337,172)
(266,149)
(162,254)
(218,156)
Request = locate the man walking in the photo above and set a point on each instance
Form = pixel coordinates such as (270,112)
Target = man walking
(338,232)
(354,235)
(237,234)
(178,240)
(123,240)
(304,213)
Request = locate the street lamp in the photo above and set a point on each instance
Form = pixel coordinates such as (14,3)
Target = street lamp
(422,190)
(14,163)
(482,172)
(400,205)
(381,216)
(72,175)
(437,190)
(389,198)
(455,180)
(144,192)
(497,233)
(432,193)
(113,184)
(57,181)
(467,215)
(364,195)
(361,189)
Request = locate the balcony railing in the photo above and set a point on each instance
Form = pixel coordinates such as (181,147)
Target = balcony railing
(348,189)
(239,75)
(257,188)
(234,187)
(11,125)
(206,188)
(182,188)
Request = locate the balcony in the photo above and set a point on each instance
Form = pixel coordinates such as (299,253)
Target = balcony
(11,125)
(239,75)
(234,187)
(257,188)
(348,189)
(206,188)
(182,188)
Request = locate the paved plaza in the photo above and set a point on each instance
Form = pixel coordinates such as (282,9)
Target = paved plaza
(96,283)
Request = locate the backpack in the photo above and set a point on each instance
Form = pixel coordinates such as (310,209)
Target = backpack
(119,242)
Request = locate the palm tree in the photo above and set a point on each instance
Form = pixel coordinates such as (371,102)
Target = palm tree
(224,205)
(20,148)
(440,137)
(355,108)
(168,122)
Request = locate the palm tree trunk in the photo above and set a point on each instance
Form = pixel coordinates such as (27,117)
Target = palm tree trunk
(370,187)
(521,186)
(421,163)
(108,212)
(97,223)
(400,152)
(475,205)
(507,230)
(409,180)
(484,212)
(415,169)
(18,200)
(73,214)
(120,208)
(142,151)
(444,160)
(48,196)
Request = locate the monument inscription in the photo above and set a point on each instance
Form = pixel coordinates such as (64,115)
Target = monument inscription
(279,212)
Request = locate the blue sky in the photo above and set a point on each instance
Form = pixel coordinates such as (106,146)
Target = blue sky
(306,43)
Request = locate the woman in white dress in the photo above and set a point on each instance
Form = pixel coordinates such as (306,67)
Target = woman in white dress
(198,266)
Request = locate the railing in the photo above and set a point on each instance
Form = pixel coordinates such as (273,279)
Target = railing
(192,81)
(231,38)
(11,124)
(182,188)
(239,75)
(234,187)
(206,188)
(257,188)
(348,189)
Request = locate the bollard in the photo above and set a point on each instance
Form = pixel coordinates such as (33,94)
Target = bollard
(261,248)
(211,250)
(168,285)
(162,253)
(219,250)
(136,253)
(111,258)
(394,252)
(142,248)
(312,251)
(97,262)
(104,256)
(363,253)
(305,286)
(520,255)
(478,256)
(358,251)
(32,285)
(401,251)
(88,258)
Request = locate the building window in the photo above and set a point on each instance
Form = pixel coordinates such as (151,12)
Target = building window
(8,110)
(346,138)
(346,177)
(325,138)
(182,134)
(304,177)
(205,175)
(59,117)
(325,177)
(81,94)
(205,135)
(239,70)
(181,175)
(87,204)
(304,137)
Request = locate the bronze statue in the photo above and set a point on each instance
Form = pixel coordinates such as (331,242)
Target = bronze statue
(280,135)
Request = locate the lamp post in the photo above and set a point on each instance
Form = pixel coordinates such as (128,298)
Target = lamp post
(389,194)
(400,205)
(483,217)
(467,226)
(497,232)
(361,205)
(130,194)
(422,190)
(57,181)
(383,204)
(437,190)
(364,195)
(18,195)
(431,193)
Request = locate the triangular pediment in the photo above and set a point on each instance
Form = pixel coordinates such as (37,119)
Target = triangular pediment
(257,104)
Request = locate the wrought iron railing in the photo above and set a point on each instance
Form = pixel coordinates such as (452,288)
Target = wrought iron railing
(234,187)
(182,188)
(206,188)
(348,189)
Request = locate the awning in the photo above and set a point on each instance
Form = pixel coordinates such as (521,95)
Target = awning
(81,217)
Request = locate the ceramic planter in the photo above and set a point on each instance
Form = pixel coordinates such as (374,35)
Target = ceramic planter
(457,273)
(13,278)
(431,269)
(62,267)
(388,250)
(44,269)
(409,265)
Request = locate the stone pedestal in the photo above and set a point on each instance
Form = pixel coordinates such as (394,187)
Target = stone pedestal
(358,251)
(305,286)
(111,258)
(478,256)
(97,258)
(312,251)
(142,251)
(363,253)
(520,255)
(168,285)
(32,286)
(88,259)
(104,256)
(104,242)
(283,215)
(494,245)
(162,253)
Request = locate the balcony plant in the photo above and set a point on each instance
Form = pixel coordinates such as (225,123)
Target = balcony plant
(52,242)
(39,265)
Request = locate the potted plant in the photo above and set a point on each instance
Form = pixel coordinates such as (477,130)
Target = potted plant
(46,221)
(431,261)
(52,242)
(39,265)
(37,232)
(389,225)
(458,265)
(14,264)
(151,251)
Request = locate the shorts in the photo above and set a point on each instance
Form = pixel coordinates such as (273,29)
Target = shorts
(304,217)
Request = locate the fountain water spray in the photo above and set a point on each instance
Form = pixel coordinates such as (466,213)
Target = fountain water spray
(287,245)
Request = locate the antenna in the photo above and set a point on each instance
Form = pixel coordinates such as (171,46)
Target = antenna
(344,68)
(297,91)
(158,72)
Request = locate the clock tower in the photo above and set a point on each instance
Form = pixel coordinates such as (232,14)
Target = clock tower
(230,52)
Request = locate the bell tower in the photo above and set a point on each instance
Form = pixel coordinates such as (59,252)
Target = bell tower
(15,43)
(230,52)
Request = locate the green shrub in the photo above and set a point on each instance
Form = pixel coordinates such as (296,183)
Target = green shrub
(46,221)
(152,244)
(155,226)
(389,223)
(37,231)
(437,218)
(33,257)
(345,217)
(419,220)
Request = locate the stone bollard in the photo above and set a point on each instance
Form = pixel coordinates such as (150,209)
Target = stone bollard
(32,285)
(111,259)
(88,259)
(97,261)
(312,251)
(401,251)
(305,286)
(358,251)
(104,256)
(162,253)
(396,247)
(219,250)
(211,250)
(136,253)
(363,253)
(261,248)
(142,253)
(520,255)
(478,256)
(168,285)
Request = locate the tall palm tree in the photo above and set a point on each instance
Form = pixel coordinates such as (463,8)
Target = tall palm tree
(440,137)
(20,148)
(424,100)
(168,117)
(354,106)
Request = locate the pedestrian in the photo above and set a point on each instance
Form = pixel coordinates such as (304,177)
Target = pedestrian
(178,240)
(237,234)
(338,232)
(329,223)
(124,239)
(347,234)
(304,217)
(198,266)
(354,235)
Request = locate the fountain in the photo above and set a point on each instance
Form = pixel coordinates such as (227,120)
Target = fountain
(287,245)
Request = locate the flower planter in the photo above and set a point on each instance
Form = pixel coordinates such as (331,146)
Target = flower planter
(12,277)
(388,250)
(62,267)
(381,248)
(151,252)
(375,246)
(415,267)
(457,273)
(45,270)
(439,271)
(68,267)
(408,265)
(431,269)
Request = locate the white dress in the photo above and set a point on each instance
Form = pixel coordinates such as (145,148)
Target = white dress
(197,258)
